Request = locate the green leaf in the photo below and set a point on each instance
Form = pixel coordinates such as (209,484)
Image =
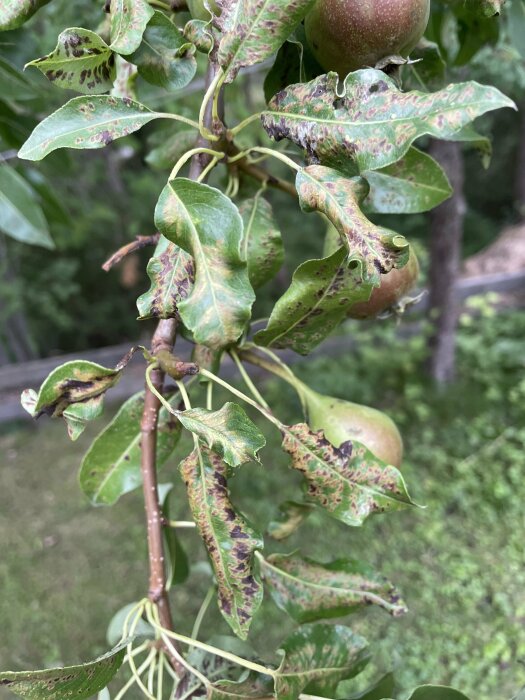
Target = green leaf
(176,562)
(207,225)
(13,84)
(317,658)
(292,516)
(111,466)
(230,540)
(80,681)
(20,215)
(373,123)
(384,688)
(13,13)
(116,625)
(349,482)
(86,122)
(249,688)
(165,58)
(228,432)
(377,249)
(171,148)
(516,26)
(486,8)
(128,22)
(428,72)
(308,590)
(253,31)
(414,184)
(436,692)
(171,273)
(262,243)
(315,303)
(482,143)
(76,415)
(82,61)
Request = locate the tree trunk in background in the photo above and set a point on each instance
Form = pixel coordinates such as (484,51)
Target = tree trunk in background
(519,186)
(446,233)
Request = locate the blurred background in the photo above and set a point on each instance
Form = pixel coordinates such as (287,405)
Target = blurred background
(456,389)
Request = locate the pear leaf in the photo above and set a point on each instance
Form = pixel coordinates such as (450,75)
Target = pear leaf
(86,122)
(207,225)
(229,539)
(111,466)
(436,692)
(383,688)
(81,61)
(171,273)
(316,302)
(254,31)
(378,249)
(308,590)
(371,122)
(13,13)
(129,19)
(316,658)
(76,415)
(292,516)
(81,681)
(262,243)
(349,482)
(228,432)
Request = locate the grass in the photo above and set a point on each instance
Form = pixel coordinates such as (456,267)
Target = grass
(66,567)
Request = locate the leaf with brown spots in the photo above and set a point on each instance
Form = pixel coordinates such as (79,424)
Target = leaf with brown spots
(229,539)
(377,249)
(78,682)
(262,243)
(349,482)
(315,303)
(371,122)
(129,19)
(255,29)
(81,61)
(171,273)
(86,122)
(13,13)
(308,590)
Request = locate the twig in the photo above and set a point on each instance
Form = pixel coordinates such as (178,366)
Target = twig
(137,244)
(263,176)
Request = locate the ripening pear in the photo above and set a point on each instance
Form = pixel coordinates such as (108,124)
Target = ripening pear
(345,35)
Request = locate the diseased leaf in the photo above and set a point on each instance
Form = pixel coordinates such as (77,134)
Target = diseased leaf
(111,466)
(373,123)
(414,184)
(250,688)
(253,31)
(349,482)
(212,667)
(86,122)
(316,658)
(315,303)
(262,243)
(378,249)
(128,22)
(77,415)
(82,61)
(21,217)
(293,515)
(228,432)
(81,681)
(229,539)
(165,58)
(13,13)
(207,225)
(171,273)
(308,590)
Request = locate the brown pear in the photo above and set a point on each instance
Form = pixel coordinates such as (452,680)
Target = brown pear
(345,35)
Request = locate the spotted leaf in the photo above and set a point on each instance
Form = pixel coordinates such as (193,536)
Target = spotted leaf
(262,243)
(349,482)
(82,681)
(315,303)
(13,13)
(318,657)
(377,249)
(129,19)
(207,225)
(229,432)
(111,466)
(308,590)
(373,123)
(229,539)
(171,273)
(255,29)
(86,122)
(82,61)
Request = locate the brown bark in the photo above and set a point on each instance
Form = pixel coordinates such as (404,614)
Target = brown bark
(446,233)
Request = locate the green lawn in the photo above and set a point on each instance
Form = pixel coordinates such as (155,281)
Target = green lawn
(66,567)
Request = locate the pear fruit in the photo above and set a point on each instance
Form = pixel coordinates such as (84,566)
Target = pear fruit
(345,35)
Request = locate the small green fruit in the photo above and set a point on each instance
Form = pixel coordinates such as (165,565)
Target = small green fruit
(345,35)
